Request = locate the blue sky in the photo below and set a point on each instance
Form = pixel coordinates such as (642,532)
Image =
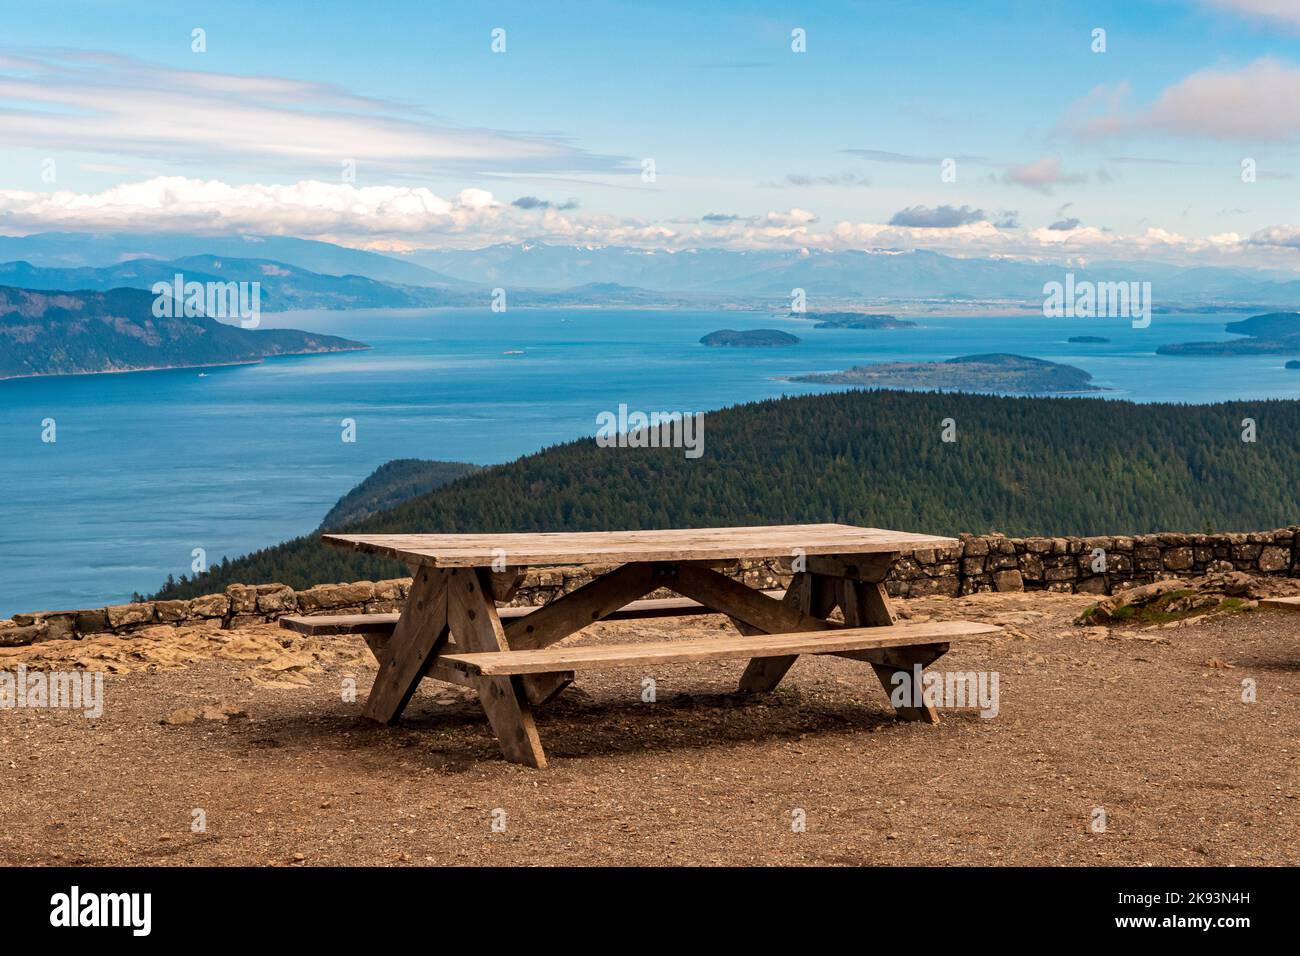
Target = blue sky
(112,120)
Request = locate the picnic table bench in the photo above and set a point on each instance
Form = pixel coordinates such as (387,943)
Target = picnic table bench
(451,628)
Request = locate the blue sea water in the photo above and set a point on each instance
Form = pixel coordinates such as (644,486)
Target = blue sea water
(149,466)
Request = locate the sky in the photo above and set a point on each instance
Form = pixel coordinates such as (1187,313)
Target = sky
(983,129)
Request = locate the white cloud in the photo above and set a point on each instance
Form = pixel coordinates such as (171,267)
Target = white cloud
(174,203)
(1285,11)
(1041,175)
(1257,103)
(398,218)
(109,105)
(1286,236)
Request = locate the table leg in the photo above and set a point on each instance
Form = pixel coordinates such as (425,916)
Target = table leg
(814,595)
(866,604)
(901,660)
(420,634)
(474,622)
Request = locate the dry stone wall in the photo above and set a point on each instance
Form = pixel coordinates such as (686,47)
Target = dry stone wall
(1095,565)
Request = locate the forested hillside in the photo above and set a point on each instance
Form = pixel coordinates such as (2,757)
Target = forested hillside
(67,333)
(1018,465)
(391,484)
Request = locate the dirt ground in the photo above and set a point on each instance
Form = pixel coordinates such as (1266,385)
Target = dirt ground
(251,728)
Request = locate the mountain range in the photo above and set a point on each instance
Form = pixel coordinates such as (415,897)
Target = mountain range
(282,286)
(62,250)
(839,275)
(303,273)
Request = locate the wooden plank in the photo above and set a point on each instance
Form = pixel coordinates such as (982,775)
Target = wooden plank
(808,593)
(903,661)
(592,602)
(895,657)
(625,547)
(325,624)
(588,657)
(866,604)
(322,625)
(858,567)
(419,634)
(541,689)
(474,621)
(436,670)
(382,624)
(505,584)
(754,608)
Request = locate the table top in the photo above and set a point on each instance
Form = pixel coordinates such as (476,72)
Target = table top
(621,547)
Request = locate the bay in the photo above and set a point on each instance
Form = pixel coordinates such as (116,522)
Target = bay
(149,466)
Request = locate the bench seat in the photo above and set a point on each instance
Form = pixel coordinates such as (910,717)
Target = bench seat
(316,625)
(589,657)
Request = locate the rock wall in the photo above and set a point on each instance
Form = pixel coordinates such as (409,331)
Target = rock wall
(1096,565)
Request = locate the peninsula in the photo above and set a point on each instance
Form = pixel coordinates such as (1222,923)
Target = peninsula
(1273,333)
(79,333)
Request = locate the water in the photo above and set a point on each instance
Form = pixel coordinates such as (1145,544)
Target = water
(149,466)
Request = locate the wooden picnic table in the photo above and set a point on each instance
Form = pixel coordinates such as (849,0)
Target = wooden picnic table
(452,630)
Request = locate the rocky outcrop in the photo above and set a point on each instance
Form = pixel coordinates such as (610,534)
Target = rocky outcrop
(1095,565)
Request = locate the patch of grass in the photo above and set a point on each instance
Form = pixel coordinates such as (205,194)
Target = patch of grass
(1161,610)
(1158,611)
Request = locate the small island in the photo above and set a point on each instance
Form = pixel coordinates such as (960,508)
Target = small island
(1271,334)
(751,338)
(1294,363)
(993,372)
(1088,339)
(853,320)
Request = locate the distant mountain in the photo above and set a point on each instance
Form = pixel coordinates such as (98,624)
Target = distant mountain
(295,288)
(998,372)
(282,286)
(838,275)
(625,275)
(391,484)
(62,333)
(608,294)
(77,249)
(1275,333)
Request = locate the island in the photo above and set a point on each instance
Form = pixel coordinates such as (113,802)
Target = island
(752,338)
(81,333)
(1294,363)
(1273,333)
(992,372)
(853,320)
(1088,339)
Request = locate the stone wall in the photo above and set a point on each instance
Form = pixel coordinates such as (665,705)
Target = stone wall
(978,563)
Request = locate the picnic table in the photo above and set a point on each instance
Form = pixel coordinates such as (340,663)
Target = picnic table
(451,628)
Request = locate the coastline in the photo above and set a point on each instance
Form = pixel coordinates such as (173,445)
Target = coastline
(175,368)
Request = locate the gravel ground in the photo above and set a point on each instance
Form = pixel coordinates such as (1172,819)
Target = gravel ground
(251,728)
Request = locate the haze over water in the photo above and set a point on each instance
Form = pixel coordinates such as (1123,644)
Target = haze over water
(149,466)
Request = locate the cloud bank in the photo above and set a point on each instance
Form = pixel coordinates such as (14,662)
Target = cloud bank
(111,105)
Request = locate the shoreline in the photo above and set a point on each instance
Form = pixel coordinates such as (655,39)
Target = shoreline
(961,389)
(175,368)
